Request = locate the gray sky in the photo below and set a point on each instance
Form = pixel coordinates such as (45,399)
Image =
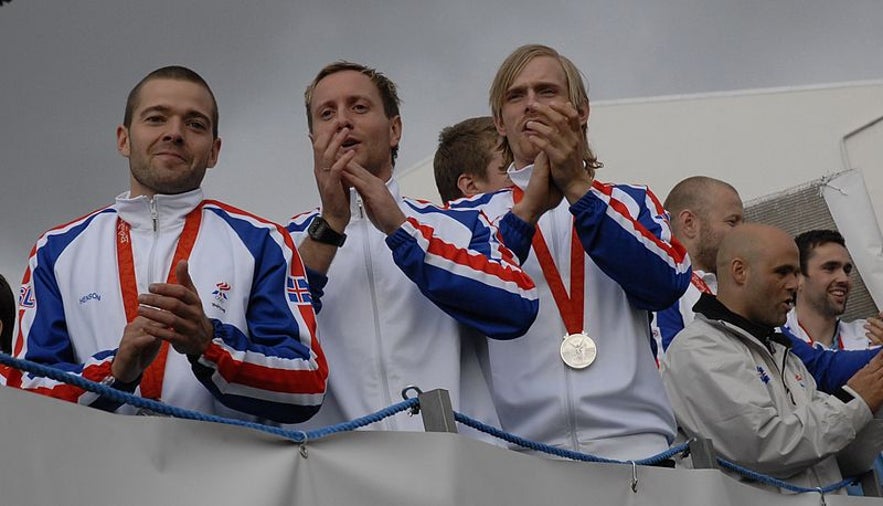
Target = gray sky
(66,67)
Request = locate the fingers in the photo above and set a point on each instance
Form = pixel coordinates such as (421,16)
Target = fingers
(567,110)
(175,314)
(326,149)
(876,363)
(556,129)
(326,145)
(332,191)
(137,349)
(540,194)
(554,118)
(169,296)
(171,306)
(362,179)
(177,318)
(136,334)
(182,274)
(341,163)
(186,327)
(874,330)
(382,209)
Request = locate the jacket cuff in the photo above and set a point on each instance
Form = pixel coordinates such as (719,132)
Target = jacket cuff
(400,236)
(121,385)
(517,235)
(317,282)
(588,203)
(859,407)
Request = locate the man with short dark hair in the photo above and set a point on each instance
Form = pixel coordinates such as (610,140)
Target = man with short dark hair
(403,276)
(822,294)
(583,377)
(731,377)
(166,294)
(468,160)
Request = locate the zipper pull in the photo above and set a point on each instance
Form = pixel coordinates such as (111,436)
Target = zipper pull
(355,197)
(154,214)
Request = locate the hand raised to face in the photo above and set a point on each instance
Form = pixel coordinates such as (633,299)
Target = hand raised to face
(555,128)
(382,209)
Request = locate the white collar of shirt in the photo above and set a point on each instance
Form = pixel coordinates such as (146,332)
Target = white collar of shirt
(520,177)
(170,209)
(356,211)
(709,278)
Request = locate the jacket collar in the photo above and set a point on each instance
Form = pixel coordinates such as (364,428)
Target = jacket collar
(710,307)
(520,177)
(356,211)
(168,210)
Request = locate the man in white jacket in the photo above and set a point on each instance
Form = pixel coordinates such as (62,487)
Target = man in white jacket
(404,277)
(731,377)
(583,377)
(165,293)
(822,293)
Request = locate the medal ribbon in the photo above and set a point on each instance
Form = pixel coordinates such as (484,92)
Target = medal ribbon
(839,340)
(570,307)
(700,284)
(151,382)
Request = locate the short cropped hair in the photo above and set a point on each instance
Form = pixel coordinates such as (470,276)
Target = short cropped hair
(175,72)
(464,148)
(693,194)
(7,315)
(812,239)
(576,90)
(389,94)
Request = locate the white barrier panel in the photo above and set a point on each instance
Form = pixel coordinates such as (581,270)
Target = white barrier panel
(852,210)
(55,453)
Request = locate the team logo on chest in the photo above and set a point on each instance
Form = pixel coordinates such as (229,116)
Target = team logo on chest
(220,295)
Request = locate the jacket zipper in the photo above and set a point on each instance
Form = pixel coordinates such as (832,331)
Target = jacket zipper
(372,289)
(154,216)
(568,380)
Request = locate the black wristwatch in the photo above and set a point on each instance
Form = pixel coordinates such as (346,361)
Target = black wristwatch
(320,232)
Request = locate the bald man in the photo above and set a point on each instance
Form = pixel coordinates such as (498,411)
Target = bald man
(703,211)
(731,377)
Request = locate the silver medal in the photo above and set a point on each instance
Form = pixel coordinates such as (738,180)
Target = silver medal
(578,350)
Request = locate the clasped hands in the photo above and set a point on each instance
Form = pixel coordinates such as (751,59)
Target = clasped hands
(168,312)
(559,169)
(336,171)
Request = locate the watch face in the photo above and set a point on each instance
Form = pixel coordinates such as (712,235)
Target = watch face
(321,232)
(314,226)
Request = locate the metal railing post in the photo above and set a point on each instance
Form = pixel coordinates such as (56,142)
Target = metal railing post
(702,453)
(436,410)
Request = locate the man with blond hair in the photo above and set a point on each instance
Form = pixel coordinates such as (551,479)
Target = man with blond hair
(583,377)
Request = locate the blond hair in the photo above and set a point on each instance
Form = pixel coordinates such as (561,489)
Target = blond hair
(576,91)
